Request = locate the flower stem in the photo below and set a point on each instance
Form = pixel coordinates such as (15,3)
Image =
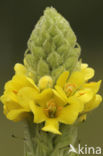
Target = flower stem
(39,143)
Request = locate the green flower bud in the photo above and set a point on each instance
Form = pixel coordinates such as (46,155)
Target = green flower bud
(52,46)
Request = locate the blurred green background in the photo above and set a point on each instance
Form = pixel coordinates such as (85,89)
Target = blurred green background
(17,19)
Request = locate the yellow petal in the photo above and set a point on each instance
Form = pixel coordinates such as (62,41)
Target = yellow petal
(62,93)
(70,113)
(32,83)
(76,78)
(94,103)
(62,79)
(84,95)
(84,65)
(39,115)
(5,110)
(18,82)
(9,86)
(19,68)
(88,73)
(95,86)
(59,99)
(17,114)
(43,97)
(25,96)
(10,105)
(8,97)
(52,125)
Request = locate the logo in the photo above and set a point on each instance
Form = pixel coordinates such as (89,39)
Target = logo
(85,150)
(72,149)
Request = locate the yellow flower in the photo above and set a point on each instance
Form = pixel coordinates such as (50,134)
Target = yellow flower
(96,99)
(18,93)
(77,85)
(53,108)
(73,97)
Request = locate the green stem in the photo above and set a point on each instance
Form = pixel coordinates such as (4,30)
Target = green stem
(28,144)
(40,143)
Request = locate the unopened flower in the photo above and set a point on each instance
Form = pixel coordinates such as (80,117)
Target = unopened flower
(45,82)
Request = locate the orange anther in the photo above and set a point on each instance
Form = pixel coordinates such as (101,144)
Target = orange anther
(69,88)
(59,108)
(14,91)
(81,94)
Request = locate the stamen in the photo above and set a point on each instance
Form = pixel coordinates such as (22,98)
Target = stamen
(81,94)
(51,108)
(60,108)
(15,92)
(69,88)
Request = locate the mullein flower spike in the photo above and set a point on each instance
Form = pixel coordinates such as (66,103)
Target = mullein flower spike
(52,86)
(71,97)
